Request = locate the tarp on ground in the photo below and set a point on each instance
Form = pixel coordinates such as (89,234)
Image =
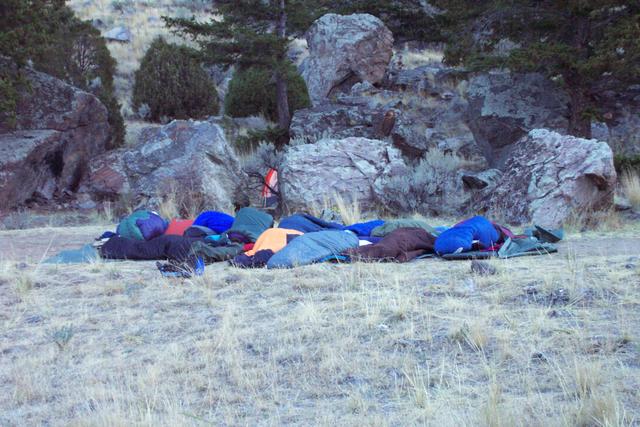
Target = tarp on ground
(85,254)
(313,247)
(249,224)
(308,223)
(526,246)
(401,245)
(395,224)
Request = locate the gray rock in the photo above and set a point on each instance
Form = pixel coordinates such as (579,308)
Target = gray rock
(355,168)
(59,128)
(187,157)
(344,50)
(549,176)
(504,106)
(118,34)
(482,268)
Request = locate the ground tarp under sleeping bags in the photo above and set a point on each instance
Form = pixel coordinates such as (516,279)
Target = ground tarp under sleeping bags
(401,245)
(142,225)
(313,247)
(306,223)
(85,254)
(176,248)
(249,224)
(395,224)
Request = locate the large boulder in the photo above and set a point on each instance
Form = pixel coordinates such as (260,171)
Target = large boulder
(356,169)
(45,153)
(182,158)
(504,106)
(344,50)
(424,110)
(550,176)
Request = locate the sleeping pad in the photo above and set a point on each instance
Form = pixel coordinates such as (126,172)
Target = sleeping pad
(461,237)
(395,224)
(170,247)
(249,224)
(306,223)
(401,245)
(313,247)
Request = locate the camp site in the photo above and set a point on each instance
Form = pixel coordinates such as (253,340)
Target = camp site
(319,213)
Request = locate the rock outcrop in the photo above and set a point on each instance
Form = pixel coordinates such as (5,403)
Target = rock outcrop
(357,169)
(344,50)
(549,176)
(182,158)
(504,106)
(58,130)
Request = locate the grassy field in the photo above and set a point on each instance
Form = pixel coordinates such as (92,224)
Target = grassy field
(547,341)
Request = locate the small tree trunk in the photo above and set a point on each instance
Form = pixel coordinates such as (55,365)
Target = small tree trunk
(579,124)
(282,100)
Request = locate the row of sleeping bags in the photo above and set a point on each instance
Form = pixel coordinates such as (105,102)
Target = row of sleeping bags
(249,240)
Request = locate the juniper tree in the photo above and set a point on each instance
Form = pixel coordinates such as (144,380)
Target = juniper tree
(586,46)
(252,33)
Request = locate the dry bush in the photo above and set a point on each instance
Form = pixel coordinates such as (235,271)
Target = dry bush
(630,182)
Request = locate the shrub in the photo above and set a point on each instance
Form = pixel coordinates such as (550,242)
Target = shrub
(252,91)
(626,163)
(173,84)
(48,34)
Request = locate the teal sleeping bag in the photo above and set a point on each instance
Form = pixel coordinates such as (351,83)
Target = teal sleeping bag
(249,224)
(313,247)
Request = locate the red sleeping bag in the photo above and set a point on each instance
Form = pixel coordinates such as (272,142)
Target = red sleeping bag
(177,227)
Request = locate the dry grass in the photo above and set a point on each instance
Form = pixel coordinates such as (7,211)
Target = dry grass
(547,341)
(630,182)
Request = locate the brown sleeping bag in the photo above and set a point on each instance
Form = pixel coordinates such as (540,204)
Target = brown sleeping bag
(401,245)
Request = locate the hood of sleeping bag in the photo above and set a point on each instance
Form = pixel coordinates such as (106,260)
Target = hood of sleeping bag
(142,225)
(216,221)
(460,238)
(249,224)
(306,223)
(313,247)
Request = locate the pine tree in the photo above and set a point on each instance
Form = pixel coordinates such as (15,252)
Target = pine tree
(583,45)
(252,33)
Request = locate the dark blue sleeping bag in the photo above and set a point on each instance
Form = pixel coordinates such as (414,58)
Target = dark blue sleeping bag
(306,223)
(216,221)
(363,229)
(460,238)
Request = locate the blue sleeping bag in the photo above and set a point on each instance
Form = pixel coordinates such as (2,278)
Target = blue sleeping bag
(363,229)
(460,238)
(306,223)
(216,221)
(142,225)
(313,247)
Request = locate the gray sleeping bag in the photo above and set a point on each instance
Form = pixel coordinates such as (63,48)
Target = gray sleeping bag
(313,247)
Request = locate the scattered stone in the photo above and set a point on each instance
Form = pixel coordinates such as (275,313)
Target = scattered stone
(34,319)
(558,297)
(539,357)
(232,278)
(482,268)
(118,34)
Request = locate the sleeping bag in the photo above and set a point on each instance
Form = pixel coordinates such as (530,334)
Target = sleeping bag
(177,227)
(401,245)
(395,224)
(216,221)
(176,248)
(308,223)
(142,225)
(249,224)
(364,229)
(313,247)
(269,242)
(460,238)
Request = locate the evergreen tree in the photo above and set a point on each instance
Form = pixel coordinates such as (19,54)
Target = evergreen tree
(586,46)
(252,33)
(47,35)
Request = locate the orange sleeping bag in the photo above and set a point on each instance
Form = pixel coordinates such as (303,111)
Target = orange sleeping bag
(273,239)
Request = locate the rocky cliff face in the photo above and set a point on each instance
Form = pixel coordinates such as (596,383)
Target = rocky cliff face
(59,129)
